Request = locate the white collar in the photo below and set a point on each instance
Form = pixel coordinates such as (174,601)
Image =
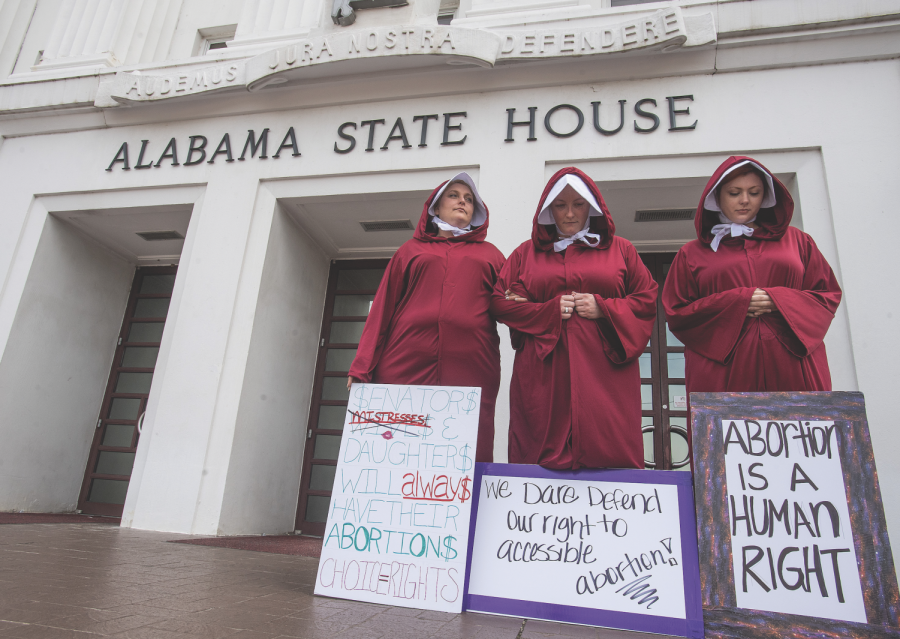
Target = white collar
(564,242)
(727,227)
(441,224)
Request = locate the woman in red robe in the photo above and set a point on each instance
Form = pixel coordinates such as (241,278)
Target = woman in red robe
(580,306)
(752,297)
(430,321)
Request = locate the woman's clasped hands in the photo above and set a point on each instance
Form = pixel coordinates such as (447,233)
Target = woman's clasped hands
(760,304)
(584,304)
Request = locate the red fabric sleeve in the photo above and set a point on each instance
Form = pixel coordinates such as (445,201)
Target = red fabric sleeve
(497,265)
(628,321)
(542,320)
(809,311)
(378,323)
(709,326)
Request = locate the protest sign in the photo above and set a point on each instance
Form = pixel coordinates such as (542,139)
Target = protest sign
(611,548)
(792,531)
(398,522)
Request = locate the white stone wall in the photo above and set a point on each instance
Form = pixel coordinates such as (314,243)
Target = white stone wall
(813,98)
(267,449)
(54,369)
(198,383)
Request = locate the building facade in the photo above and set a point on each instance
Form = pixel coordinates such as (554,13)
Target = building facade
(200,196)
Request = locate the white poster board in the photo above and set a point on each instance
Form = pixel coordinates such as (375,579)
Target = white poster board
(610,548)
(398,523)
(791,539)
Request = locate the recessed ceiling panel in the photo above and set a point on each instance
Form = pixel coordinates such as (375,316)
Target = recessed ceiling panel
(335,222)
(119,229)
(625,198)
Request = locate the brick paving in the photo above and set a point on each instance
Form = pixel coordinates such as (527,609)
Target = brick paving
(52,518)
(278,544)
(89,580)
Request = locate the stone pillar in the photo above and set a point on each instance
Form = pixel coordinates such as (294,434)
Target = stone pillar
(84,34)
(147,35)
(15,19)
(271,21)
(92,33)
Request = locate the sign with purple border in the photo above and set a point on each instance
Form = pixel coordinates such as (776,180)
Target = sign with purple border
(612,548)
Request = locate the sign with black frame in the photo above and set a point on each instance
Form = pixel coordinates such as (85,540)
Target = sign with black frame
(792,535)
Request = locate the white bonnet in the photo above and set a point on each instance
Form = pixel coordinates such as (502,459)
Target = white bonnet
(546,217)
(711,204)
(479,216)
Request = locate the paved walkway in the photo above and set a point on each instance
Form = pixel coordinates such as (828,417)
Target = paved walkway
(90,580)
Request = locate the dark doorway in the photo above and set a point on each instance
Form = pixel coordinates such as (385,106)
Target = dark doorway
(663,395)
(118,428)
(351,289)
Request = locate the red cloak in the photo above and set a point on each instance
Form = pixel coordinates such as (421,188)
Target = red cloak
(575,399)
(707,294)
(430,321)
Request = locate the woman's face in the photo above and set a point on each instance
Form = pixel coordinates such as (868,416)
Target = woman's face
(456,206)
(741,198)
(570,211)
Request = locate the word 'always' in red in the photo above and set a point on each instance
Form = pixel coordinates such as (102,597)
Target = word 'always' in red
(437,488)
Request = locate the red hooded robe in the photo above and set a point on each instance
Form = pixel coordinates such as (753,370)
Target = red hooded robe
(707,294)
(430,321)
(575,399)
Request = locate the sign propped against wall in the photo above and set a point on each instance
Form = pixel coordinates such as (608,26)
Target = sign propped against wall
(398,523)
(792,532)
(613,548)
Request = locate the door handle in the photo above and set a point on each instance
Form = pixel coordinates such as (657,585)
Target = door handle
(140,423)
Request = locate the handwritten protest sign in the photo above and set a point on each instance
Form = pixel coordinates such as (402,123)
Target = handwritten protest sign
(610,548)
(793,537)
(790,529)
(398,523)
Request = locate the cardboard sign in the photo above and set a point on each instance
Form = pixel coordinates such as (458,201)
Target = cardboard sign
(398,524)
(611,548)
(794,537)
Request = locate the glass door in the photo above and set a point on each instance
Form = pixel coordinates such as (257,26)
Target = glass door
(351,289)
(663,395)
(122,410)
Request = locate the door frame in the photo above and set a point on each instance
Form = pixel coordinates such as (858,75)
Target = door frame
(98,508)
(312,430)
(659,350)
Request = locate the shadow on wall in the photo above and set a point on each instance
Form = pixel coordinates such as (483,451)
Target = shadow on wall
(55,367)
(263,480)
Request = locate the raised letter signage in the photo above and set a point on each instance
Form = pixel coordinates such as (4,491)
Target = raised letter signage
(136,87)
(255,146)
(664,29)
(350,52)
(472,45)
